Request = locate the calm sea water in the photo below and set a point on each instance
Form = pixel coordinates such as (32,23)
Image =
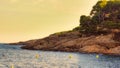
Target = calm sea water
(14,57)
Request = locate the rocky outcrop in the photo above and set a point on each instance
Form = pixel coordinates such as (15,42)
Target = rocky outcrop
(73,41)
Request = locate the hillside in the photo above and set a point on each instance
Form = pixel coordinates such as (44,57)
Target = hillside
(97,33)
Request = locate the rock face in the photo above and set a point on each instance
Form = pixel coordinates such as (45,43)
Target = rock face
(74,42)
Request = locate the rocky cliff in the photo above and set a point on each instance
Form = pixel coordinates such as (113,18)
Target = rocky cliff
(74,42)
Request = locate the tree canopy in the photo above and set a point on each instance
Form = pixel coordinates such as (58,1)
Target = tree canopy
(105,14)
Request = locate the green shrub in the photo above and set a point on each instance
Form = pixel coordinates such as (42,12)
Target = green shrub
(61,33)
(111,25)
(76,28)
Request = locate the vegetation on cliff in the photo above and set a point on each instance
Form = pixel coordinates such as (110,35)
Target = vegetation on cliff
(105,15)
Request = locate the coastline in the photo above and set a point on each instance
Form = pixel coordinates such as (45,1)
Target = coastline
(72,41)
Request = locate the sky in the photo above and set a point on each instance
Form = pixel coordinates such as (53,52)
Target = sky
(22,20)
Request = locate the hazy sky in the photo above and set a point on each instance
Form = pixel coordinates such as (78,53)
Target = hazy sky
(32,19)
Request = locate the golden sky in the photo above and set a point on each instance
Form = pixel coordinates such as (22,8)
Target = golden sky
(32,19)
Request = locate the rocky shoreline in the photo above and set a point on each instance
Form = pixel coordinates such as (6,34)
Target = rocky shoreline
(72,41)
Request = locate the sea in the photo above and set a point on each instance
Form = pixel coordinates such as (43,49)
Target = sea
(12,56)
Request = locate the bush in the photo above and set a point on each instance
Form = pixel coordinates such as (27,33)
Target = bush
(111,24)
(76,28)
(84,21)
(61,33)
(87,25)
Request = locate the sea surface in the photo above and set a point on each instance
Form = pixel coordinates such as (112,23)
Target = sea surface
(15,57)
